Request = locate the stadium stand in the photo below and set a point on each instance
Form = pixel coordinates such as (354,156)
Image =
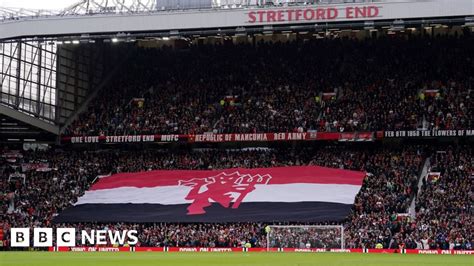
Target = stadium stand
(261,128)
(451,196)
(336,85)
(390,185)
(246,89)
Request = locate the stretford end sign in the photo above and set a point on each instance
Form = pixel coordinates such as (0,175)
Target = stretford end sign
(313,14)
(235,17)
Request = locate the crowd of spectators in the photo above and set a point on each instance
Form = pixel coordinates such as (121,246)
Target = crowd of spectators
(378,215)
(305,237)
(387,83)
(445,204)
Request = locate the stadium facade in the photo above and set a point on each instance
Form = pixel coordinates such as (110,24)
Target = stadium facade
(53,63)
(210,115)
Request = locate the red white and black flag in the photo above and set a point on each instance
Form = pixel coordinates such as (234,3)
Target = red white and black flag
(303,193)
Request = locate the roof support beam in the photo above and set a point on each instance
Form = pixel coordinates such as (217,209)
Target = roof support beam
(8,111)
(83,106)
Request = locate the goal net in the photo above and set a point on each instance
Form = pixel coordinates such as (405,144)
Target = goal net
(305,236)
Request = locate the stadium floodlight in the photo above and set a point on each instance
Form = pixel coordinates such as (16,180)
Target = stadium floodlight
(75,42)
(305,236)
(67,42)
(267,29)
(166,38)
(318,27)
(114,40)
(469,21)
(438,25)
(369,25)
(240,31)
(398,25)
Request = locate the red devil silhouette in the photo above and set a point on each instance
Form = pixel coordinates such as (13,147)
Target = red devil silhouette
(222,188)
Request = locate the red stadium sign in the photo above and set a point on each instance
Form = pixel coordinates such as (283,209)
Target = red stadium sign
(240,249)
(313,14)
(217,138)
(269,137)
(203,249)
(90,249)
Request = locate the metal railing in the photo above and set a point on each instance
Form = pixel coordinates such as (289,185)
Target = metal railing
(96,7)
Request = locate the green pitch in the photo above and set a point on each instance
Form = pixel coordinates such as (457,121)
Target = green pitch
(214,259)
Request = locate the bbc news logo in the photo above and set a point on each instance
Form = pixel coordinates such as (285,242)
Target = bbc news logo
(66,237)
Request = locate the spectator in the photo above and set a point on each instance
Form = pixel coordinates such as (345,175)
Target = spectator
(335,85)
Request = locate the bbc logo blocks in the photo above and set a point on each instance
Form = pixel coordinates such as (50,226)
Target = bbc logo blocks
(20,237)
(43,237)
(66,237)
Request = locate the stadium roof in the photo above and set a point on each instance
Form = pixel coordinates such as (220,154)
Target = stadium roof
(16,131)
(14,9)
(116,18)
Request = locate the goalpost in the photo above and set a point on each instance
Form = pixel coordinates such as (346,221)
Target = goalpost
(305,236)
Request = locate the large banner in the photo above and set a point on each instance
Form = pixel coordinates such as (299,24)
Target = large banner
(25,167)
(211,137)
(206,137)
(429,133)
(302,194)
(270,137)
